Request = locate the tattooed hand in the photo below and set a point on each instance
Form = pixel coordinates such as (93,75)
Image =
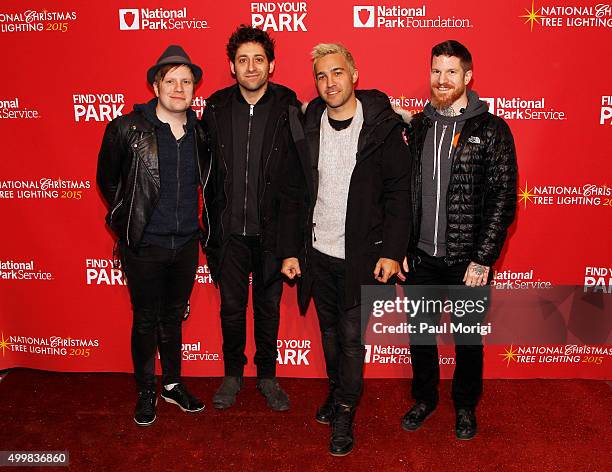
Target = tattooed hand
(476,275)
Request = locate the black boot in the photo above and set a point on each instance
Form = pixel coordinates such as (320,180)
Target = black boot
(325,413)
(341,442)
(465,427)
(415,417)
(226,394)
(276,397)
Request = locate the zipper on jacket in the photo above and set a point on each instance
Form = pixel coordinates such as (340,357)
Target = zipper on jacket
(127,229)
(203,185)
(436,159)
(246,178)
(178,186)
(114,210)
(204,201)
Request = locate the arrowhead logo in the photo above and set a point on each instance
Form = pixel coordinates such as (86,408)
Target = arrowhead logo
(363,16)
(129,19)
(491,103)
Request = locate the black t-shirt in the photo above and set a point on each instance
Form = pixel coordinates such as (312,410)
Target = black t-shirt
(339,125)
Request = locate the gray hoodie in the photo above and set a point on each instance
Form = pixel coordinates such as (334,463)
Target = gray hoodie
(436,162)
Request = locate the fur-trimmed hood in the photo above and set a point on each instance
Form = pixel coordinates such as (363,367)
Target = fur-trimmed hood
(404,114)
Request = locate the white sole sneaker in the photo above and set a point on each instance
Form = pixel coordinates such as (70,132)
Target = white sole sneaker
(148,423)
(170,400)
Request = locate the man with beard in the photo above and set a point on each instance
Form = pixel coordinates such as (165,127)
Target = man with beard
(151,168)
(464,200)
(250,142)
(355,206)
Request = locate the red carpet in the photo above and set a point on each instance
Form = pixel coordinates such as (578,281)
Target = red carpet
(523,425)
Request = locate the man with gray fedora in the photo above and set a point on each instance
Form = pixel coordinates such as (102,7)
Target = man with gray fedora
(151,169)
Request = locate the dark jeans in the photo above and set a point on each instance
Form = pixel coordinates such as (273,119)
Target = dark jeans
(467,378)
(242,257)
(160,282)
(340,329)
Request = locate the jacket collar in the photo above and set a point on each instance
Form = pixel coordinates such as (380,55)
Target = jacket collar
(147,111)
(376,109)
(379,119)
(281,94)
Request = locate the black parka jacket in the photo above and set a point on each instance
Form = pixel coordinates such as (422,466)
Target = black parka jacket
(277,146)
(128,173)
(378,207)
(481,198)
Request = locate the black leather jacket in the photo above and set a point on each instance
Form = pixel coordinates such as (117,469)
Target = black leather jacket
(128,174)
(481,199)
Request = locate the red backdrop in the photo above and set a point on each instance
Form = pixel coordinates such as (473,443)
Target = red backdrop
(70,67)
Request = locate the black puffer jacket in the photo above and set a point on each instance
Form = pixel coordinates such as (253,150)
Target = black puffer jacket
(481,199)
(277,145)
(128,173)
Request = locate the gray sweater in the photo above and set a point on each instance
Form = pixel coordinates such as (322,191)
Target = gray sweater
(337,157)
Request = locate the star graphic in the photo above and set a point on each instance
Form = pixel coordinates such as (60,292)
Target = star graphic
(532,16)
(525,195)
(402,97)
(4,344)
(509,355)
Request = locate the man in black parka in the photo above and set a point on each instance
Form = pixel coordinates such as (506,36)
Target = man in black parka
(345,220)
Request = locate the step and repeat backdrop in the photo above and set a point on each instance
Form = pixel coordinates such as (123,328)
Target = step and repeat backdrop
(70,67)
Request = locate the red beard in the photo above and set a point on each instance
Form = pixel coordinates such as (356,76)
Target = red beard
(446,99)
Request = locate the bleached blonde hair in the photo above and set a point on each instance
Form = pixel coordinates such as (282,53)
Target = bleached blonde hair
(324,49)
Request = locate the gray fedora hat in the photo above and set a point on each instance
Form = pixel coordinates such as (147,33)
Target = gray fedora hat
(174,55)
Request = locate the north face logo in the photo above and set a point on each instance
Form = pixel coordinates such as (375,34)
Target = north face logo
(363,16)
(129,19)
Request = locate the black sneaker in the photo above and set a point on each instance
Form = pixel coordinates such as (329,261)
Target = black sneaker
(465,427)
(341,442)
(325,413)
(144,413)
(416,416)
(181,397)
(276,397)
(226,395)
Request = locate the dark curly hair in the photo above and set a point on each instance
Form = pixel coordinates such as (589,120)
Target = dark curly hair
(249,34)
